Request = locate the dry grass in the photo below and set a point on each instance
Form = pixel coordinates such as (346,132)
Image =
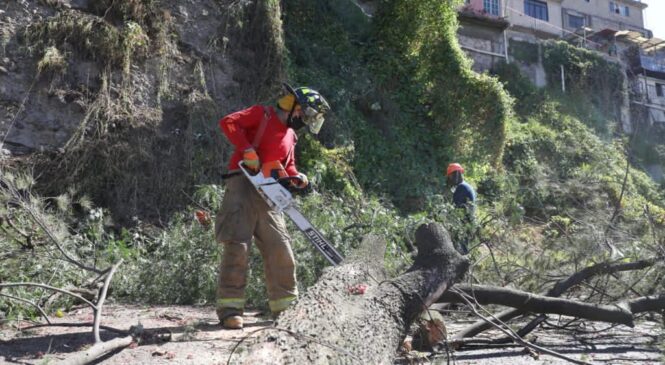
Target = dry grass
(84,34)
(52,62)
(140,11)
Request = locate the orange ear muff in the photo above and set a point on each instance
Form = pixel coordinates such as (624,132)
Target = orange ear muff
(286,102)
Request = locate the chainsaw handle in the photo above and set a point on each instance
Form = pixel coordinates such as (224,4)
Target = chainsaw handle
(246,170)
(287,179)
(286,183)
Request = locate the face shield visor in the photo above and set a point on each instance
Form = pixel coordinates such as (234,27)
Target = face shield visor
(313,119)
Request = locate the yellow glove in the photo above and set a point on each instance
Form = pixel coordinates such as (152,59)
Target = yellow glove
(251,159)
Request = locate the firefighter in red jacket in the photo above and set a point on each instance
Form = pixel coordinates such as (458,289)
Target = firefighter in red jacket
(264,139)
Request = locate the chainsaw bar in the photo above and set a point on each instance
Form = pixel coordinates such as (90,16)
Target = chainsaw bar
(281,200)
(314,236)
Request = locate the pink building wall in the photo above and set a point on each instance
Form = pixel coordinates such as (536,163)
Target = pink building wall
(477,5)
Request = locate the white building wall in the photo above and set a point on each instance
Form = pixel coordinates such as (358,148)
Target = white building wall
(601,17)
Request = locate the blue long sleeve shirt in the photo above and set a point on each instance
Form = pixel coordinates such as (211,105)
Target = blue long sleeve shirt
(463,195)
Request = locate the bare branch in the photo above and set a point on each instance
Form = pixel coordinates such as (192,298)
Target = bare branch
(513,335)
(97,350)
(40,285)
(87,324)
(100,301)
(561,287)
(56,242)
(647,304)
(25,204)
(529,302)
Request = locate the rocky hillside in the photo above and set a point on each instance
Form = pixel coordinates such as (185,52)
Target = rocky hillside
(123,95)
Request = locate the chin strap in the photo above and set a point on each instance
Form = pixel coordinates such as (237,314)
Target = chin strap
(289,122)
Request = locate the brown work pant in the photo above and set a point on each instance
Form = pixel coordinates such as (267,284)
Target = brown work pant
(244,214)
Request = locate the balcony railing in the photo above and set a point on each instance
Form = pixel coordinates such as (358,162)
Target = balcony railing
(653,63)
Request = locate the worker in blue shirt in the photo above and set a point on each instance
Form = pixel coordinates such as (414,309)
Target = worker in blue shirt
(464,197)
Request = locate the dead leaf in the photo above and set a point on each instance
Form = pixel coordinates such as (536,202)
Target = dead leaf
(531,352)
(407,344)
(159,352)
(436,331)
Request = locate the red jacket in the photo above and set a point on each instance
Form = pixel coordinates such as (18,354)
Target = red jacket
(277,143)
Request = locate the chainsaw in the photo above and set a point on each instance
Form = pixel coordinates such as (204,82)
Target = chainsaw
(280,199)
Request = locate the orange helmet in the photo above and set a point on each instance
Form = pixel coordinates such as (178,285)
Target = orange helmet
(454,167)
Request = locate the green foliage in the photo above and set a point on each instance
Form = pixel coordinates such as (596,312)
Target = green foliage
(31,229)
(588,76)
(328,169)
(417,106)
(178,265)
(405,102)
(345,222)
(468,111)
(526,52)
(526,95)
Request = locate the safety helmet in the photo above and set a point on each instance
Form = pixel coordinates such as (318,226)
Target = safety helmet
(310,101)
(454,167)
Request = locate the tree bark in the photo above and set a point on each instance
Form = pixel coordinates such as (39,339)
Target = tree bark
(331,325)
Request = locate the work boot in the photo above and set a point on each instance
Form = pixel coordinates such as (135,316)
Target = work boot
(232,322)
(275,315)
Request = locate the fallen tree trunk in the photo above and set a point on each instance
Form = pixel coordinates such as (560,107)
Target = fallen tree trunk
(620,313)
(331,324)
(558,289)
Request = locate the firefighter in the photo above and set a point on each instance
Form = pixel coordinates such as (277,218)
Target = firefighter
(464,197)
(264,138)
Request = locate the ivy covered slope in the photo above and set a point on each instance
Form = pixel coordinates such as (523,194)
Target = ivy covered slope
(406,101)
(571,190)
(550,169)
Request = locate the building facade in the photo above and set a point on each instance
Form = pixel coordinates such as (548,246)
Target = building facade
(597,15)
(493,31)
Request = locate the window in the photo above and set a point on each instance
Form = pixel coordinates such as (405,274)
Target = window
(614,8)
(659,90)
(491,6)
(575,21)
(536,9)
(619,9)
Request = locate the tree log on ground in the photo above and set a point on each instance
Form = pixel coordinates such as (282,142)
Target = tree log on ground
(96,351)
(620,313)
(334,323)
(559,288)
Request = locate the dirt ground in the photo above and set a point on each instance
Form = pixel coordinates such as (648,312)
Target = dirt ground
(191,335)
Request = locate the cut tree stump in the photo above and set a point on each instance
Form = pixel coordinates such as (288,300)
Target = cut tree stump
(334,322)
